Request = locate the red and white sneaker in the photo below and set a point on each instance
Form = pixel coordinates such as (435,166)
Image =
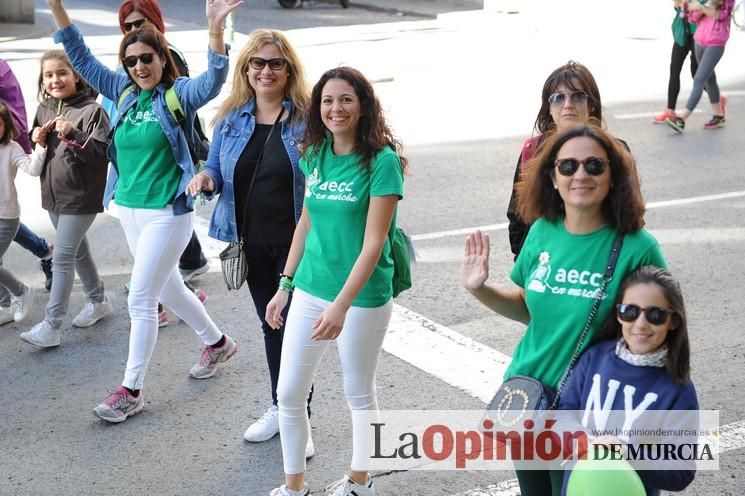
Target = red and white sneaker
(119,405)
(211,357)
(661,118)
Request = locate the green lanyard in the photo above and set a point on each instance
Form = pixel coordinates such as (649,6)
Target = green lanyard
(59,107)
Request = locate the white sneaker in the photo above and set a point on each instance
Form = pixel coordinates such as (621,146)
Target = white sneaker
(265,428)
(21,305)
(42,335)
(93,312)
(310,449)
(348,487)
(284,491)
(6,315)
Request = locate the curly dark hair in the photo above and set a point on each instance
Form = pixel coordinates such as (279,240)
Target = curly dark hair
(155,40)
(576,77)
(373,133)
(623,208)
(678,361)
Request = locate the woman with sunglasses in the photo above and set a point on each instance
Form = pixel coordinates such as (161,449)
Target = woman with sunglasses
(137,14)
(570,96)
(579,191)
(151,167)
(253,165)
(644,345)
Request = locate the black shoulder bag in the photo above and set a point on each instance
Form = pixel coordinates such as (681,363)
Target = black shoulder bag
(520,393)
(233,258)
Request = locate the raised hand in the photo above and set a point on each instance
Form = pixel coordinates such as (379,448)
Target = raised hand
(218,10)
(474,271)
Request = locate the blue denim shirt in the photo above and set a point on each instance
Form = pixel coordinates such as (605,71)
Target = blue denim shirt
(229,138)
(192,93)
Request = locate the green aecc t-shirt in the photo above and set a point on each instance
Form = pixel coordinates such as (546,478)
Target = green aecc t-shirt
(337,198)
(148,173)
(561,273)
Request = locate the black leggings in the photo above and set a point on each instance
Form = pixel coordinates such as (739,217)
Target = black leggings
(265,263)
(677,57)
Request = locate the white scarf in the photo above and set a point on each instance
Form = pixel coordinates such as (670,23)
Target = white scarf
(655,359)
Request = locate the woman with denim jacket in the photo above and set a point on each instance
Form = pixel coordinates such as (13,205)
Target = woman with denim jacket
(151,167)
(264,117)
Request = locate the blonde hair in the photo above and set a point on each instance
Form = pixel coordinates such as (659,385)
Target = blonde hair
(296,90)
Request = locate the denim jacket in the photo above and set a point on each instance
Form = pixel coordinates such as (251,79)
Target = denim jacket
(229,138)
(192,93)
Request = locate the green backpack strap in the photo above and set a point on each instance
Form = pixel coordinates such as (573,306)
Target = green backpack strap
(174,106)
(129,89)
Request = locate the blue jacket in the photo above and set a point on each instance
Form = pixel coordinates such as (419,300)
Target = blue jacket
(192,93)
(229,138)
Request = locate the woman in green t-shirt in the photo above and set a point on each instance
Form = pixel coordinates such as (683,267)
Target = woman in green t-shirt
(579,192)
(340,264)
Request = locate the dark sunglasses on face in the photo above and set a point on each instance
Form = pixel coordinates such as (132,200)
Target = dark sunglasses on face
(145,58)
(628,312)
(136,24)
(576,97)
(274,64)
(594,166)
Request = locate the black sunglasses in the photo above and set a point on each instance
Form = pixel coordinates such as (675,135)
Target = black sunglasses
(274,64)
(594,166)
(145,58)
(576,97)
(136,24)
(628,312)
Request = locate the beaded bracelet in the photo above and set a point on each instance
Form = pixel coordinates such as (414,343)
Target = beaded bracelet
(285,284)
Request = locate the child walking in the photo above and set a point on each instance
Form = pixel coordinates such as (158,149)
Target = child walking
(644,350)
(12,158)
(75,129)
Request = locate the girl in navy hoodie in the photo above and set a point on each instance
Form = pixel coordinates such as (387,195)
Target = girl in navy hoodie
(644,357)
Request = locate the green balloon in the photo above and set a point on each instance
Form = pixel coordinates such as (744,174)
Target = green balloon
(604,478)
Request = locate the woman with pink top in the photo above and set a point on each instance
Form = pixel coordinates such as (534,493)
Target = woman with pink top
(712,33)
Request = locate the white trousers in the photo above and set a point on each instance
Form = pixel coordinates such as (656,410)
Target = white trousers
(156,239)
(359,346)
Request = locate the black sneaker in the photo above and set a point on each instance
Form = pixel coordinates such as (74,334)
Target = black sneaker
(676,123)
(46,268)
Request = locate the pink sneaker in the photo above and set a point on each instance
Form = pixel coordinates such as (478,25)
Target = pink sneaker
(211,356)
(201,294)
(119,405)
(660,119)
(163,318)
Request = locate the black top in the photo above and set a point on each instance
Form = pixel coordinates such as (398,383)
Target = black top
(271,214)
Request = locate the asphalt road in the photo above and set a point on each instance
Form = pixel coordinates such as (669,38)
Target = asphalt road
(189,439)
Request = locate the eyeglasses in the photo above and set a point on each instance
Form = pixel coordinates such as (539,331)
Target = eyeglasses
(628,312)
(136,24)
(594,166)
(75,144)
(145,58)
(274,64)
(577,98)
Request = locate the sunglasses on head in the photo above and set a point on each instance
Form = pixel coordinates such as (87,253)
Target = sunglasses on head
(594,166)
(145,58)
(136,24)
(577,98)
(274,64)
(628,312)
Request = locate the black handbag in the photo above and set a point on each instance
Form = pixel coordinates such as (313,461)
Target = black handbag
(233,260)
(520,394)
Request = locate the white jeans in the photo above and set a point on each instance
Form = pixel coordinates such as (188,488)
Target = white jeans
(156,239)
(359,346)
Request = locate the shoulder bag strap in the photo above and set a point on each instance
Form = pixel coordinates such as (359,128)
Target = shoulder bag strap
(607,277)
(256,169)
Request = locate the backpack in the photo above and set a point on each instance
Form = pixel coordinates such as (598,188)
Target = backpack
(199,146)
(402,253)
